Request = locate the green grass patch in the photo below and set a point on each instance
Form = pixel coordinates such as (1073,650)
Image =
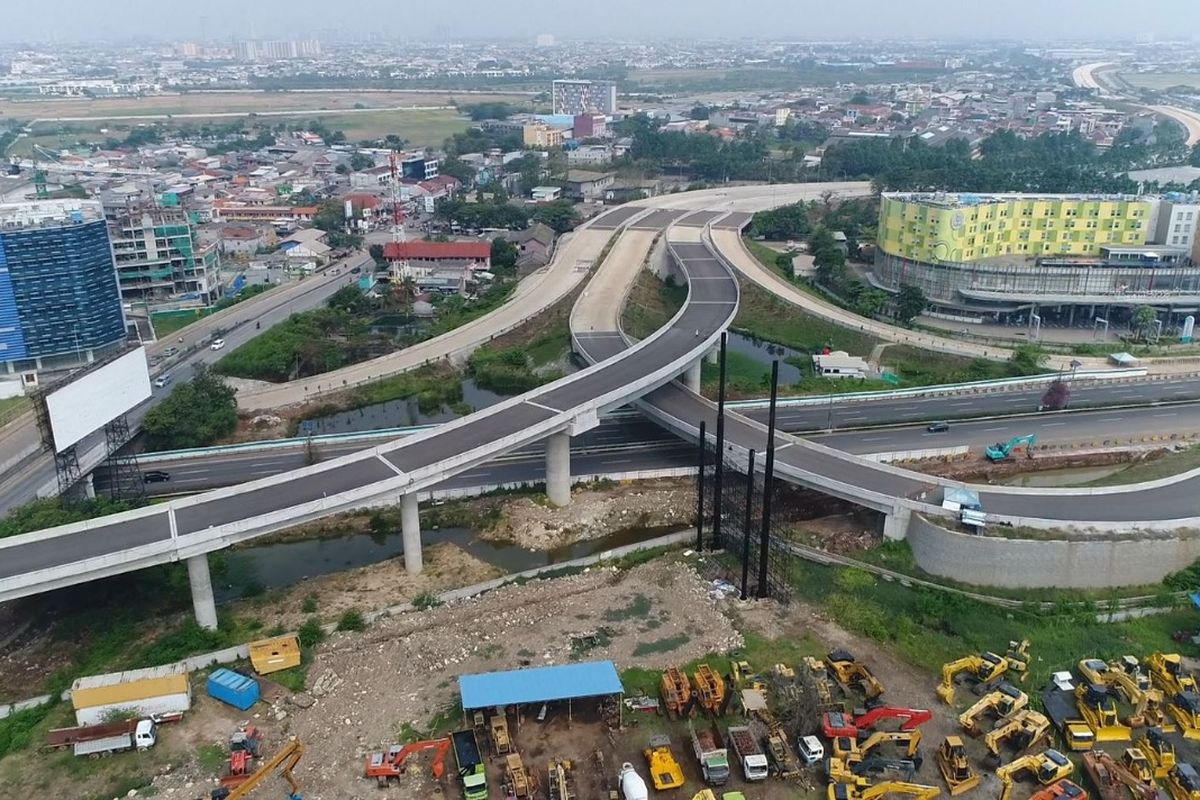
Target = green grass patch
(167,323)
(929,627)
(1163,467)
(650,304)
(639,607)
(50,512)
(764,316)
(13,407)
(211,758)
(19,730)
(668,644)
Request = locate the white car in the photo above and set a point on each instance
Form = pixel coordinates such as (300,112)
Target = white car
(217,344)
(811,750)
(162,381)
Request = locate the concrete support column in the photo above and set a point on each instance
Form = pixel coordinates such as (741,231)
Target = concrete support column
(202,592)
(895,524)
(691,378)
(713,356)
(89,486)
(558,469)
(410,532)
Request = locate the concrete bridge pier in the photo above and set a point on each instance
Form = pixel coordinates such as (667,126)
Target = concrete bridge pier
(895,523)
(558,468)
(691,378)
(713,356)
(202,592)
(410,533)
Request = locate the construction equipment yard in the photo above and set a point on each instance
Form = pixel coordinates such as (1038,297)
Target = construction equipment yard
(711,689)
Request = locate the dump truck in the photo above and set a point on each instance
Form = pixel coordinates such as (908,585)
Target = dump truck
(471,769)
(711,753)
(749,753)
(632,785)
(665,771)
(1060,707)
(143,736)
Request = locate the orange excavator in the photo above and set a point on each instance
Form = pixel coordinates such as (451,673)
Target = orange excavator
(835,723)
(390,765)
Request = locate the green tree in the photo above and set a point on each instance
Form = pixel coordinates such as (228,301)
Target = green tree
(860,99)
(376,252)
(342,169)
(197,413)
(504,253)
(1027,359)
(910,302)
(1143,321)
(361,161)
(330,217)
(1194,159)
(559,215)
(700,112)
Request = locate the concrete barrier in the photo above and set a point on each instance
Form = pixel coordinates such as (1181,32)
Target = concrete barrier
(957,451)
(1051,563)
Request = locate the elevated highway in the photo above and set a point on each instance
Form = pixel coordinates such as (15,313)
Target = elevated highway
(622,371)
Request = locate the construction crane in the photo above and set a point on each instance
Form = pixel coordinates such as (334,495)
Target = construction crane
(952,761)
(284,761)
(1023,730)
(1158,751)
(1001,451)
(390,765)
(1111,777)
(984,668)
(852,673)
(1046,767)
(841,791)
(1005,700)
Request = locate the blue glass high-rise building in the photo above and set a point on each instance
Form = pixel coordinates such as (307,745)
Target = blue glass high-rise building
(60,304)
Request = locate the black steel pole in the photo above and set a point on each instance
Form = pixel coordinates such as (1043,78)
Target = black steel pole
(720,462)
(746,525)
(768,479)
(700,491)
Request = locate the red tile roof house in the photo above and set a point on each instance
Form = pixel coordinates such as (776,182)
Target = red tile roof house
(418,259)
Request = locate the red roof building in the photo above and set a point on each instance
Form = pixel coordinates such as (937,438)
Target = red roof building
(438,251)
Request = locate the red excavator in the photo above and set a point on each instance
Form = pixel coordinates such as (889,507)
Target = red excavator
(835,723)
(384,767)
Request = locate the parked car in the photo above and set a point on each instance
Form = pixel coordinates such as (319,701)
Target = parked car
(938,427)
(156,476)
(217,344)
(162,381)
(170,351)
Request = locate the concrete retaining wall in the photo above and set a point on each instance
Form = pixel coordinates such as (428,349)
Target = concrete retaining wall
(1029,563)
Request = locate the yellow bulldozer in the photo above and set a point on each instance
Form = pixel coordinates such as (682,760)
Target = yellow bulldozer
(955,767)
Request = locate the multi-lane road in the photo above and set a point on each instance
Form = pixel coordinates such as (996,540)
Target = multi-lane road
(27,468)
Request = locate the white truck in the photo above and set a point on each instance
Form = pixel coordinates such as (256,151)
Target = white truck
(749,753)
(142,737)
(633,787)
(711,753)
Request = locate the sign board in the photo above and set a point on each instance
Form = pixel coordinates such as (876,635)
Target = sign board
(428,204)
(97,397)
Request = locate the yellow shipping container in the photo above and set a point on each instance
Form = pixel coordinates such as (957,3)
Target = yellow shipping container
(272,655)
(129,692)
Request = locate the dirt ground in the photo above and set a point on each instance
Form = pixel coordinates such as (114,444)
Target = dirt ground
(593,514)
(978,468)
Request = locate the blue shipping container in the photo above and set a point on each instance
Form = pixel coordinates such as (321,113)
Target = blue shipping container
(233,688)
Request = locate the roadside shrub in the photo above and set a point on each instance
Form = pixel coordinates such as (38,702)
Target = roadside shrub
(309,605)
(352,620)
(310,633)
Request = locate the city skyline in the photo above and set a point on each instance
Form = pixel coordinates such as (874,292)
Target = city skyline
(774,19)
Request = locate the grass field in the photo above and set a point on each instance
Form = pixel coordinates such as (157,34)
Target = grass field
(421,127)
(238,103)
(1162,80)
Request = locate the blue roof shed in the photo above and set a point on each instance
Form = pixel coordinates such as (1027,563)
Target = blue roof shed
(540,684)
(233,688)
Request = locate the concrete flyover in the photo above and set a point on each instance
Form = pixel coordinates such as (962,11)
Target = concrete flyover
(189,528)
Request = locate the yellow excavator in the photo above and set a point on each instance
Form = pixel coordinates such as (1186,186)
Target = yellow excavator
(853,673)
(1022,729)
(1159,752)
(955,767)
(284,761)
(1099,710)
(1006,699)
(1168,674)
(1047,767)
(984,668)
(848,748)
(1184,708)
(1127,677)
(841,791)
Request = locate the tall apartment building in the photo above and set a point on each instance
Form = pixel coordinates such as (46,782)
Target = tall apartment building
(59,301)
(276,50)
(159,256)
(1007,254)
(576,97)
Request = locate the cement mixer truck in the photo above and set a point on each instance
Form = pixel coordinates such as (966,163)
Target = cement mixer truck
(632,785)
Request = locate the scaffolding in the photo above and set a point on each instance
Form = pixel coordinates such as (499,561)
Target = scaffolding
(124,474)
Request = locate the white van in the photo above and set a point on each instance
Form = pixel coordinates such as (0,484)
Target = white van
(811,750)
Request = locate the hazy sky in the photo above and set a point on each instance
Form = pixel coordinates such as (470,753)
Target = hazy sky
(68,20)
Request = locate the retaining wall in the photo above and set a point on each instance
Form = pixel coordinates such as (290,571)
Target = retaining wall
(1030,563)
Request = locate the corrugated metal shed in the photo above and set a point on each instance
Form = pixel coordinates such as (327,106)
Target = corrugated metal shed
(233,688)
(272,655)
(540,684)
(120,687)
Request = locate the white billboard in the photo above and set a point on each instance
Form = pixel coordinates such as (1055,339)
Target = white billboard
(97,398)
